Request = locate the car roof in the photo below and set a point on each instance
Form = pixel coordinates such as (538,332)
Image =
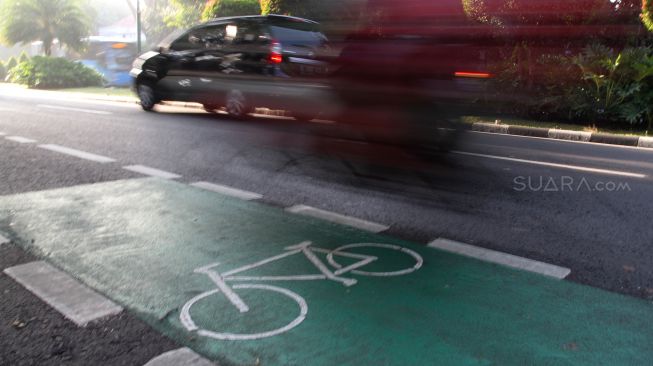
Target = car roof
(262,18)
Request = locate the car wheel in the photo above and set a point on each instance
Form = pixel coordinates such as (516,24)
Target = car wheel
(147,97)
(237,104)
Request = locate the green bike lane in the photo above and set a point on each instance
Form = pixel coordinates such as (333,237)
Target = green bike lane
(139,242)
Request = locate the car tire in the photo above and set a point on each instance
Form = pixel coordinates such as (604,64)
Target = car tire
(236,104)
(147,96)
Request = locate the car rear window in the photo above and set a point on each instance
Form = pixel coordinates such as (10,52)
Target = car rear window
(297,33)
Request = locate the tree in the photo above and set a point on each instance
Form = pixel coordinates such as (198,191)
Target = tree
(25,21)
(185,13)
(227,8)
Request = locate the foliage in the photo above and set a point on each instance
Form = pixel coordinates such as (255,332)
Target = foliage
(504,12)
(11,63)
(227,8)
(185,13)
(276,6)
(25,21)
(52,73)
(153,17)
(23,57)
(647,14)
(3,72)
(599,84)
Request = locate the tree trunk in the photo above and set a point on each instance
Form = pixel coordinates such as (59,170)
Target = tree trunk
(47,48)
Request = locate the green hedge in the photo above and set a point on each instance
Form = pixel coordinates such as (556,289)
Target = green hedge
(228,8)
(600,85)
(54,73)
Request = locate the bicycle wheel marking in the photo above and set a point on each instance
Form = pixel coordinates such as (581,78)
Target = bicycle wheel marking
(417,257)
(308,251)
(187,321)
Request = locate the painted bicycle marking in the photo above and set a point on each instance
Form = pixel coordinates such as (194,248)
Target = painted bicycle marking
(309,252)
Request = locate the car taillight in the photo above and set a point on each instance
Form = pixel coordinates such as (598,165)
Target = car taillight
(472,74)
(276,53)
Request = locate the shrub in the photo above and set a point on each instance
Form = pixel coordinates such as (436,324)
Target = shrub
(23,57)
(3,72)
(11,63)
(228,8)
(599,85)
(52,73)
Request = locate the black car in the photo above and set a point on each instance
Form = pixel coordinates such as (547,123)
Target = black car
(239,63)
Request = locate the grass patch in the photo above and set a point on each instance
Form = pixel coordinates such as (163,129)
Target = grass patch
(513,121)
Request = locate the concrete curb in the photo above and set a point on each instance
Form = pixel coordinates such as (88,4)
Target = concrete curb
(601,138)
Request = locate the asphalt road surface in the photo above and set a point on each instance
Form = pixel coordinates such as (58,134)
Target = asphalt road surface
(577,205)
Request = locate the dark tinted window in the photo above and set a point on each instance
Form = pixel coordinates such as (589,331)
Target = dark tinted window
(297,33)
(203,37)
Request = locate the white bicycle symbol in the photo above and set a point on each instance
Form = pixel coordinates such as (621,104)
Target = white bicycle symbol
(305,248)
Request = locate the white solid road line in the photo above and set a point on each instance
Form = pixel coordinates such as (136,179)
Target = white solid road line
(91,111)
(504,259)
(78,153)
(180,357)
(556,165)
(151,171)
(75,301)
(20,139)
(338,218)
(228,191)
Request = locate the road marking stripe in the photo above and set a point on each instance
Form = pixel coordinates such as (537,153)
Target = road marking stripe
(555,165)
(151,171)
(505,259)
(65,294)
(92,111)
(77,153)
(338,218)
(228,191)
(4,240)
(181,356)
(20,139)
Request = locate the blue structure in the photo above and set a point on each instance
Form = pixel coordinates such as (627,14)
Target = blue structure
(112,57)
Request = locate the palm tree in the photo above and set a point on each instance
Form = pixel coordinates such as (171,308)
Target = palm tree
(26,21)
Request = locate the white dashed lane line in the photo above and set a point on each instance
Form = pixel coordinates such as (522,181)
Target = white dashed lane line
(20,139)
(229,191)
(78,153)
(146,170)
(75,301)
(338,218)
(555,165)
(91,111)
(504,259)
